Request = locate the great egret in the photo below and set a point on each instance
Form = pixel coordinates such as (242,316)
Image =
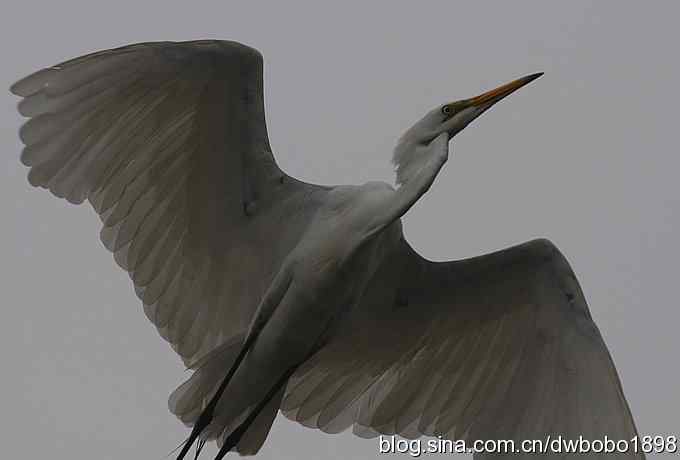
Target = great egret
(285,295)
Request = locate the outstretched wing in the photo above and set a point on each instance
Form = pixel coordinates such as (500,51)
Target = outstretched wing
(168,143)
(500,346)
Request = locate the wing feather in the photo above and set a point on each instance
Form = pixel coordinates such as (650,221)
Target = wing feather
(168,143)
(500,346)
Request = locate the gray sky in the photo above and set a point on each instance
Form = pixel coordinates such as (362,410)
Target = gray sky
(586,156)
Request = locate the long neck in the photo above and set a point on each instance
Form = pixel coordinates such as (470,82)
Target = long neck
(415,184)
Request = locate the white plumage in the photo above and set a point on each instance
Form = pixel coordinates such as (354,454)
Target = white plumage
(310,294)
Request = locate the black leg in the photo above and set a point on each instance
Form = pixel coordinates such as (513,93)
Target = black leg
(236,435)
(199,448)
(207,415)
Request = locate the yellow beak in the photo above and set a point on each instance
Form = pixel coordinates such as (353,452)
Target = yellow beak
(491,97)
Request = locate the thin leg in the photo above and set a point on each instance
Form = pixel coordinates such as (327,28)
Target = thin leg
(269,303)
(207,415)
(199,448)
(236,435)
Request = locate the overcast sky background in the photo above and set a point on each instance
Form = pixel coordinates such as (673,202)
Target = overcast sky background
(586,156)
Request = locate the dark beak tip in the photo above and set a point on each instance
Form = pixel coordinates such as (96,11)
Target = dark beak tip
(497,94)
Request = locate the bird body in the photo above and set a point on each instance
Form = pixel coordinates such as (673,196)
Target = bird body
(324,278)
(281,295)
(321,280)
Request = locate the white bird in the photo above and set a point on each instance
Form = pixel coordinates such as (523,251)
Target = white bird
(280,294)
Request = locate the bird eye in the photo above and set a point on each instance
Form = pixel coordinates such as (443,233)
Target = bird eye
(446,110)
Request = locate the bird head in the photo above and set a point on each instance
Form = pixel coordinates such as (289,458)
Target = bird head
(412,149)
(453,117)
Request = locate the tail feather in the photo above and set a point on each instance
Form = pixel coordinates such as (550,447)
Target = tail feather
(189,399)
(235,436)
(254,438)
(196,402)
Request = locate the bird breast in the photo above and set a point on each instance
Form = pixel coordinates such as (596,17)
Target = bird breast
(333,259)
